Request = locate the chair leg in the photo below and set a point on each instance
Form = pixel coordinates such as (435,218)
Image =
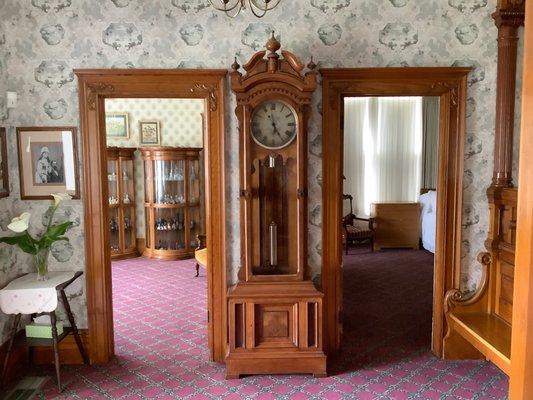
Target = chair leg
(197,270)
(75,331)
(55,343)
(346,246)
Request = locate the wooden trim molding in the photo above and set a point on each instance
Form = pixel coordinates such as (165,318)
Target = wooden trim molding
(94,87)
(450,85)
(521,384)
(4,176)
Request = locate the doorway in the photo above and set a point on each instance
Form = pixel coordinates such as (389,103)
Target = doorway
(95,86)
(156,188)
(449,84)
(388,226)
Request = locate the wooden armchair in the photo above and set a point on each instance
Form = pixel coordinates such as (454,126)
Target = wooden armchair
(200,254)
(356,229)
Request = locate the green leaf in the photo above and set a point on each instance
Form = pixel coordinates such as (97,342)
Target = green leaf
(12,240)
(58,230)
(53,233)
(24,241)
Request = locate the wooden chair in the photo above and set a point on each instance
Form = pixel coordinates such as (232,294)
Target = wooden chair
(200,254)
(356,229)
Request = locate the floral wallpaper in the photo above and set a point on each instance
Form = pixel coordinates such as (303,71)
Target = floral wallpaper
(42,41)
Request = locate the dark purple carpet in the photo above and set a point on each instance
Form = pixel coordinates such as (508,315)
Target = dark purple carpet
(387,303)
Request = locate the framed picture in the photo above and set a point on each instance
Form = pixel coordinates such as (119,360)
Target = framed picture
(48,162)
(4,173)
(117,125)
(150,133)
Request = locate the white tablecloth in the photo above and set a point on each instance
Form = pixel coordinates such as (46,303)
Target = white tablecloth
(27,295)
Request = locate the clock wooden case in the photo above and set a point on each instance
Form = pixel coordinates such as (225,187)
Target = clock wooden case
(275,312)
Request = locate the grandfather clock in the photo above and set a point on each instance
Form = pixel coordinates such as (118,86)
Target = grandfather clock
(275,312)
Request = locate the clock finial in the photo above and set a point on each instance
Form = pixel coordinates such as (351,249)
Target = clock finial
(273,46)
(311,64)
(235,66)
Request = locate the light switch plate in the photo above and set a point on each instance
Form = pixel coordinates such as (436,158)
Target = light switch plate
(11,99)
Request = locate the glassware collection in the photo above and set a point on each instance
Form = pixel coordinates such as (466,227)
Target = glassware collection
(113,224)
(174,175)
(170,224)
(171,199)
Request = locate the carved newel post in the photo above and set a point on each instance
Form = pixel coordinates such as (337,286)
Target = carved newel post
(508,18)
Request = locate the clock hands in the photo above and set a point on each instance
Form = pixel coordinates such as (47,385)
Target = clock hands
(274,126)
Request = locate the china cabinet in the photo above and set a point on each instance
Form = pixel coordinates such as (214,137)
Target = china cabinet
(174,210)
(121,188)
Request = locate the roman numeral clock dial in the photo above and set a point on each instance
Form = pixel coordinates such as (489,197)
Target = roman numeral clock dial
(273,125)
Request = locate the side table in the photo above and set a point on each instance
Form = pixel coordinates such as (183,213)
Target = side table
(26,295)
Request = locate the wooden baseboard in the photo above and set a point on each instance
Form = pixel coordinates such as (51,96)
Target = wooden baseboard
(18,362)
(68,351)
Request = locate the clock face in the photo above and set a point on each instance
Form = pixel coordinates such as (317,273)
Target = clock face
(273,125)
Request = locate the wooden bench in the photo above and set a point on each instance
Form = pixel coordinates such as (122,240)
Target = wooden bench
(490,335)
(479,324)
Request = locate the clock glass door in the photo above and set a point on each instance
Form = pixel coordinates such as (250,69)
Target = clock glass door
(274,200)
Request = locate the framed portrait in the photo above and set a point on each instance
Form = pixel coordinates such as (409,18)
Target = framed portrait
(4,172)
(117,125)
(48,162)
(150,133)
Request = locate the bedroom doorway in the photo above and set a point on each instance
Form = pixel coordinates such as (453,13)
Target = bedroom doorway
(450,86)
(388,226)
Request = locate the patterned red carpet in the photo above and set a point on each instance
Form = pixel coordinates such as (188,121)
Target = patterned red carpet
(160,338)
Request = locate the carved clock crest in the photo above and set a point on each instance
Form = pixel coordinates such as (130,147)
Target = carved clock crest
(275,314)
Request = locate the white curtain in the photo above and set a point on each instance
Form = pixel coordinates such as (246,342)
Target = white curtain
(430,137)
(382,150)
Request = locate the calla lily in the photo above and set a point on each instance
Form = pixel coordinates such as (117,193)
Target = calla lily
(21,223)
(59,197)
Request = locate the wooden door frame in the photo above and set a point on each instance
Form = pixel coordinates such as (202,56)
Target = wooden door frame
(521,384)
(95,85)
(450,85)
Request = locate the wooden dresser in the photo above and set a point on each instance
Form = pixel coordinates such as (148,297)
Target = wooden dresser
(396,225)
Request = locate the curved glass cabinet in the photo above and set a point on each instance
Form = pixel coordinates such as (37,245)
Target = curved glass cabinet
(174,210)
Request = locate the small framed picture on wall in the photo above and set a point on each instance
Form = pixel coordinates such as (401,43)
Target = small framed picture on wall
(117,125)
(48,162)
(150,133)
(4,172)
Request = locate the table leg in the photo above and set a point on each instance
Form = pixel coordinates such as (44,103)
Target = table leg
(53,320)
(74,327)
(9,347)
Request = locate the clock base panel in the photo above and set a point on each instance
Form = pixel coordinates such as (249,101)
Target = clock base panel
(275,328)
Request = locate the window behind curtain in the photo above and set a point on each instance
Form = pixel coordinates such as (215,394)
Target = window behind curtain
(382,150)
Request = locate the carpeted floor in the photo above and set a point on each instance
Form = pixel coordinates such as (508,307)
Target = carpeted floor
(160,338)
